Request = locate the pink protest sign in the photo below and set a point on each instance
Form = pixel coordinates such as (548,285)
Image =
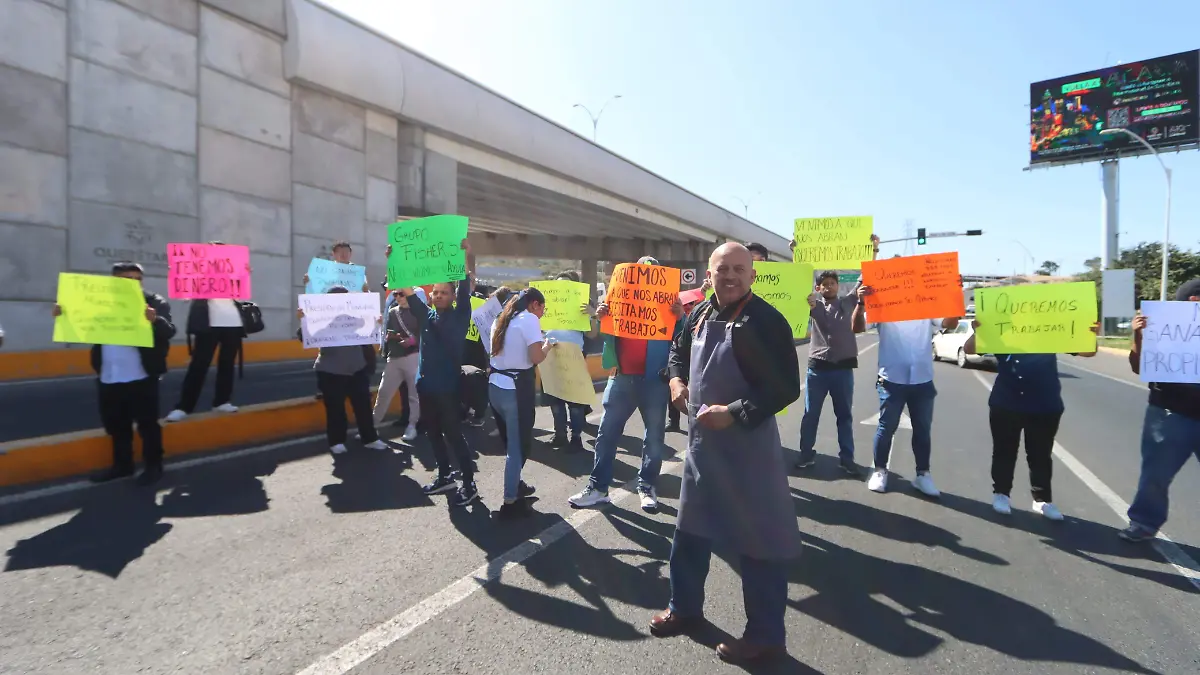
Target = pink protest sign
(208,271)
(694,295)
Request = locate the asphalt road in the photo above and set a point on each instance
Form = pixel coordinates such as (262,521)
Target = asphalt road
(288,561)
(57,406)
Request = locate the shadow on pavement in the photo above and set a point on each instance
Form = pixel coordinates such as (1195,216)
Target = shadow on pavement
(373,480)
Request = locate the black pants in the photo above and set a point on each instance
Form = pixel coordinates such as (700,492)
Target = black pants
(473,386)
(672,415)
(122,405)
(230,341)
(526,398)
(335,389)
(1040,430)
(441,417)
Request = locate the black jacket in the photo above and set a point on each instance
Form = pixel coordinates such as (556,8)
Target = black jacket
(154,359)
(197,320)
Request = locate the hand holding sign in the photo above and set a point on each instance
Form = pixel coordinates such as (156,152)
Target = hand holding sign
(916,287)
(1036,319)
(102,310)
(1170,344)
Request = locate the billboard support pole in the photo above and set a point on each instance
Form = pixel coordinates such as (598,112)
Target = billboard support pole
(1110,201)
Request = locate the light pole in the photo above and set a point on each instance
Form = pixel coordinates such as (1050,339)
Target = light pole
(596,117)
(1032,261)
(1166,252)
(745,204)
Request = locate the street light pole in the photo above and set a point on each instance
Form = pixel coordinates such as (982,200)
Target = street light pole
(596,118)
(1166,245)
(1032,260)
(745,205)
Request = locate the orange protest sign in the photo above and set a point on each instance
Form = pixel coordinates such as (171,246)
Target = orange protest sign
(916,287)
(639,302)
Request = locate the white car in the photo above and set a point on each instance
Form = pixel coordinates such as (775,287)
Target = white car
(948,344)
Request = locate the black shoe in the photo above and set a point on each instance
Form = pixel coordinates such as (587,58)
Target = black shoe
(559,441)
(150,476)
(517,509)
(806,461)
(852,469)
(439,485)
(525,490)
(114,473)
(466,494)
(673,429)
(475,421)
(576,444)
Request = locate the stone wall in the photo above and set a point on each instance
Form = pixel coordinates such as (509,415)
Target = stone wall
(128,124)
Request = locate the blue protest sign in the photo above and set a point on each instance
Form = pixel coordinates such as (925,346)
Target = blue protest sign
(325,274)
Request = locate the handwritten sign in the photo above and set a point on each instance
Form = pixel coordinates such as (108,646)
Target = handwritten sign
(688,297)
(427,251)
(1171,342)
(102,310)
(916,287)
(1036,319)
(786,287)
(473,330)
(565,375)
(484,315)
(563,298)
(639,302)
(326,274)
(208,271)
(340,319)
(841,243)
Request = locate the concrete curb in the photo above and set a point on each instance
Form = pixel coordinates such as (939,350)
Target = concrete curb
(1113,350)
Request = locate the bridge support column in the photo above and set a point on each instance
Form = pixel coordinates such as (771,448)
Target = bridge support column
(428,181)
(588,275)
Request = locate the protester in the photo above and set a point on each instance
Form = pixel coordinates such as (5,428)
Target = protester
(402,342)
(832,358)
(1170,435)
(734,368)
(214,324)
(345,373)
(517,346)
(558,407)
(405,391)
(444,325)
(672,411)
(1026,397)
(128,387)
(758,252)
(638,384)
(905,379)
(474,385)
(343,253)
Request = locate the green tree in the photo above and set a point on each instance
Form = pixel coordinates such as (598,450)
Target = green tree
(1145,260)
(1048,268)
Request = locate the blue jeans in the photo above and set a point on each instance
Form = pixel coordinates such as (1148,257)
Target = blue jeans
(1168,439)
(504,402)
(559,409)
(764,588)
(838,384)
(892,399)
(622,395)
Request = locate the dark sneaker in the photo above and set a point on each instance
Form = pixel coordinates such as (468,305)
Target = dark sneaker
(673,429)
(559,441)
(466,494)
(525,490)
(150,476)
(806,461)
(475,421)
(515,510)
(439,485)
(576,445)
(114,473)
(850,468)
(1137,533)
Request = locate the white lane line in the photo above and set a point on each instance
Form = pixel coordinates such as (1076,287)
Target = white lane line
(382,636)
(1167,548)
(1136,385)
(76,486)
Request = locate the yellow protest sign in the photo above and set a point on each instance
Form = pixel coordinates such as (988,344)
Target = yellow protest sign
(840,243)
(563,298)
(565,375)
(786,287)
(1036,319)
(102,310)
(472,331)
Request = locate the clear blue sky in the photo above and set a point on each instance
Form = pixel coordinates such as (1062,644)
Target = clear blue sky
(897,110)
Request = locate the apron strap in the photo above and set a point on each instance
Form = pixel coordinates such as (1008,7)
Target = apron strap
(741,306)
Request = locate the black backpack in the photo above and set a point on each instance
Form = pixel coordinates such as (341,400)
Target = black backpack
(252,320)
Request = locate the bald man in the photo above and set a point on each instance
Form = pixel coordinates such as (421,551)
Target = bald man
(732,368)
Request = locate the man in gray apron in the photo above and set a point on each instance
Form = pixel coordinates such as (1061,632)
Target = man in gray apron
(733,368)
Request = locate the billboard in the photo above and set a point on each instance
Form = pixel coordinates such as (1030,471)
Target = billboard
(1156,99)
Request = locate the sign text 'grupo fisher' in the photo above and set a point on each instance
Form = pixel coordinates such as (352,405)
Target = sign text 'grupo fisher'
(102,310)
(427,251)
(1171,342)
(208,271)
(786,287)
(340,319)
(1036,319)
(639,302)
(841,243)
(916,287)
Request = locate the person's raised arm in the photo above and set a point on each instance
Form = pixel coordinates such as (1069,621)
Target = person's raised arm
(817,310)
(969,346)
(949,323)
(164,326)
(858,320)
(1095,328)
(1135,349)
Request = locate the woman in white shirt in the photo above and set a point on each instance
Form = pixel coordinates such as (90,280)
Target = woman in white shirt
(517,347)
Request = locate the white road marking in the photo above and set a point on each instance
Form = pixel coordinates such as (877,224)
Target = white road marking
(1168,549)
(382,636)
(1135,385)
(905,422)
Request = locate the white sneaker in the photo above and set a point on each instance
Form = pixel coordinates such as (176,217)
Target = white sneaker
(378,445)
(878,482)
(1001,504)
(1048,509)
(649,499)
(924,483)
(176,416)
(410,433)
(589,497)
(338,449)
(226,408)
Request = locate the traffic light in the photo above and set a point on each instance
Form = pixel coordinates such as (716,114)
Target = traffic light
(920,236)
(974,233)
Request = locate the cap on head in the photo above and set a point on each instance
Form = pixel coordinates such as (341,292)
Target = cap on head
(648,260)
(1188,289)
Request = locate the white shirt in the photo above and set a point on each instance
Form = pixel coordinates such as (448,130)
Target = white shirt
(525,329)
(120,364)
(223,314)
(906,351)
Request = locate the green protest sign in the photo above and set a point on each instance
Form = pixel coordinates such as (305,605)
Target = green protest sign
(563,298)
(1036,319)
(102,310)
(786,287)
(427,251)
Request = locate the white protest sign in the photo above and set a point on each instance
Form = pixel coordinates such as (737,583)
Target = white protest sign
(1171,342)
(1116,293)
(340,319)
(484,317)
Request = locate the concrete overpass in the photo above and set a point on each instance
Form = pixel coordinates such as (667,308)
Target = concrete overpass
(283,125)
